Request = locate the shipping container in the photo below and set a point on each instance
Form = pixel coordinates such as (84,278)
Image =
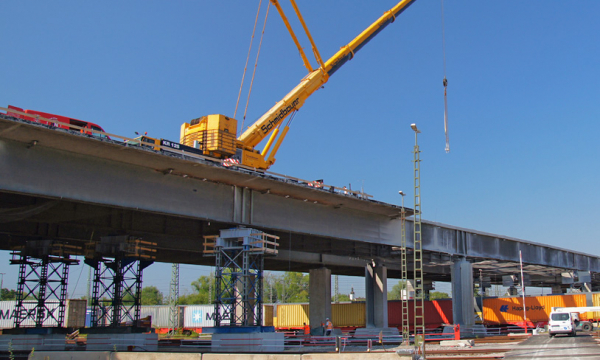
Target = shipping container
(596,302)
(160,315)
(74,314)
(199,316)
(291,316)
(268,315)
(348,315)
(509,310)
(437,313)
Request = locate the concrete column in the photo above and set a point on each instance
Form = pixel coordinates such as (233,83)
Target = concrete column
(376,296)
(463,309)
(319,292)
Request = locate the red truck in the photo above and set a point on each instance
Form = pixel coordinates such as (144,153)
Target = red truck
(61,121)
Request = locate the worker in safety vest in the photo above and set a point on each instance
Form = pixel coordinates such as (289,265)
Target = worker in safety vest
(328,327)
(306,330)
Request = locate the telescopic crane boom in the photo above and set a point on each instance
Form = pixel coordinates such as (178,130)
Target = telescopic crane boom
(216,134)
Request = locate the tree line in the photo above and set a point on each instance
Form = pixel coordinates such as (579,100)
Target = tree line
(290,287)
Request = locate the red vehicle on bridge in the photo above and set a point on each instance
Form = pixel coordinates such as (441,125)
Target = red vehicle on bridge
(62,122)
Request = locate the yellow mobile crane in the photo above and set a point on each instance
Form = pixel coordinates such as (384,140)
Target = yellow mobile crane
(216,134)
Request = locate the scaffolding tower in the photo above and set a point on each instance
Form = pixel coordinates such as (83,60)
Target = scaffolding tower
(404,271)
(118,263)
(174,300)
(419,314)
(43,274)
(239,262)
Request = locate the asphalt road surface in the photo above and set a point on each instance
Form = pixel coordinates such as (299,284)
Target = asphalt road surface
(583,346)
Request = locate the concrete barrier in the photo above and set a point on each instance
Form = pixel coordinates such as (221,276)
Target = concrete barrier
(252,357)
(458,343)
(357,356)
(70,355)
(108,355)
(155,356)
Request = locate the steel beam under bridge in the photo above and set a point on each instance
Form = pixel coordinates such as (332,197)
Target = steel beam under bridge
(61,181)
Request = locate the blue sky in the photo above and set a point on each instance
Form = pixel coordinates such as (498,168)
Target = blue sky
(522,97)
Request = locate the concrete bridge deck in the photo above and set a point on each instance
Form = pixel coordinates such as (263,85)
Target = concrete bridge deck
(57,184)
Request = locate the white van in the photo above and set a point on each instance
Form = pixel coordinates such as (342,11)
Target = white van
(563,323)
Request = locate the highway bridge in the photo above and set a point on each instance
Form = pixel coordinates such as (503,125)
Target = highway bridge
(64,185)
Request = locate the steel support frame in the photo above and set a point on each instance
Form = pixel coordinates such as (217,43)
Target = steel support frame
(117,291)
(41,279)
(238,281)
(419,314)
(404,273)
(174,299)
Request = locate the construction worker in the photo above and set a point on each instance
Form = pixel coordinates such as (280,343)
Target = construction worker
(328,327)
(306,330)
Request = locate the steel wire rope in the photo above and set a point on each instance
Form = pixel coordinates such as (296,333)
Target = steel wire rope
(256,64)
(247,59)
(445,83)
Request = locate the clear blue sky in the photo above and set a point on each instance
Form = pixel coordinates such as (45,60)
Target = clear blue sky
(523,97)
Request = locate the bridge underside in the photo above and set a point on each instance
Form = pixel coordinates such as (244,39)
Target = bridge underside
(180,240)
(65,186)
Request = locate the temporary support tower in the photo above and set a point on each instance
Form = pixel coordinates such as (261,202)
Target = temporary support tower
(118,263)
(43,274)
(239,261)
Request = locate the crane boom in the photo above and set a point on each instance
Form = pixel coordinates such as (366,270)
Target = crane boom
(218,139)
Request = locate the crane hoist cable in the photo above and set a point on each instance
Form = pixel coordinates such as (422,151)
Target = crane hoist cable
(445,83)
(255,64)
(247,58)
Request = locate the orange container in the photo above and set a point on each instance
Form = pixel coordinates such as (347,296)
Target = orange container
(596,302)
(510,310)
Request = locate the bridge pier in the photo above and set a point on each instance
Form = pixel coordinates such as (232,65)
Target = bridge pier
(376,296)
(462,292)
(319,291)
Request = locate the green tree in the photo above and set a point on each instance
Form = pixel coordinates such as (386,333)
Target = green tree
(152,296)
(292,287)
(269,291)
(435,295)
(341,298)
(200,291)
(6,294)
(396,292)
